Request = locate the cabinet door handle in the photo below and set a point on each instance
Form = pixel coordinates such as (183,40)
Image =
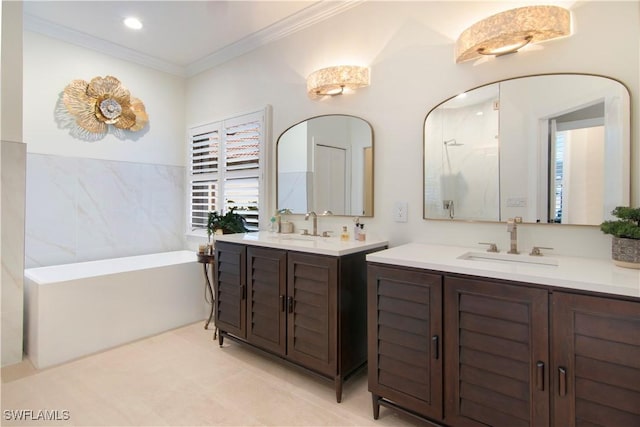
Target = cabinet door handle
(435,346)
(290,300)
(562,381)
(540,376)
(282,304)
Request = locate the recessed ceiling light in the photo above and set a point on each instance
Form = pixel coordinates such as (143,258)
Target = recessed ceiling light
(133,23)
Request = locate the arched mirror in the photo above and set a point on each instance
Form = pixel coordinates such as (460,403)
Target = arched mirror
(325,163)
(549,148)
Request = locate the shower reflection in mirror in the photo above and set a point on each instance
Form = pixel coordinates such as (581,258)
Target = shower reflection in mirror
(461,171)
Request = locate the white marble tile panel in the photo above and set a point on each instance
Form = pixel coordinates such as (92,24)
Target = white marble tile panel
(51,210)
(106,209)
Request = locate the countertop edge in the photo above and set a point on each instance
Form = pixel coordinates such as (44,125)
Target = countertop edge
(581,274)
(331,246)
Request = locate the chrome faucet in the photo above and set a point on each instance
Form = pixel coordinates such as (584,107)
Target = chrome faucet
(512,227)
(315,222)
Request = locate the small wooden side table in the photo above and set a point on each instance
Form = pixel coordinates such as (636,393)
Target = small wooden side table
(208,260)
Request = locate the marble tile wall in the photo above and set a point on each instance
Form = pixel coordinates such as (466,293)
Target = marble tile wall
(80,209)
(13,158)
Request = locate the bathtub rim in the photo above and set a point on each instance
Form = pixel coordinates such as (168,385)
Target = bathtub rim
(43,276)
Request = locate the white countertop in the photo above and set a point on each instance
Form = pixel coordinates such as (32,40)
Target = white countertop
(297,242)
(588,274)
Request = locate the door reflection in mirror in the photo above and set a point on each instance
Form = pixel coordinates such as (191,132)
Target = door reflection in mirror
(577,150)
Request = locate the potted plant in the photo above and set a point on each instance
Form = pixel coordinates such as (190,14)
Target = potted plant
(625,246)
(231,222)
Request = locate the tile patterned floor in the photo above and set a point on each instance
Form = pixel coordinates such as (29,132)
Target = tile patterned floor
(180,378)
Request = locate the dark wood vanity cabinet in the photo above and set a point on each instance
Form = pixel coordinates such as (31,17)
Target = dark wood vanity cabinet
(230,289)
(595,376)
(312,311)
(405,339)
(514,354)
(308,309)
(496,349)
(266,299)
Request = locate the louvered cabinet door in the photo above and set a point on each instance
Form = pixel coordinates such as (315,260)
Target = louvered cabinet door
(596,361)
(496,344)
(230,288)
(404,338)
(312,311)
(266,289)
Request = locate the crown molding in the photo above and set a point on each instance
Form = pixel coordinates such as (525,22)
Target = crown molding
(305,18)
(50,29)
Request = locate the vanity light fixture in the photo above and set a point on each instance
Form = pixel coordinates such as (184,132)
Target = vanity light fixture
(508,31)
(334,81)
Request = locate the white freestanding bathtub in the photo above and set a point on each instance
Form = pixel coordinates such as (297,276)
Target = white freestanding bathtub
(72,310)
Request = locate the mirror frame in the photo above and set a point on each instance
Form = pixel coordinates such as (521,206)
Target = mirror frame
(628,148)
(373,157)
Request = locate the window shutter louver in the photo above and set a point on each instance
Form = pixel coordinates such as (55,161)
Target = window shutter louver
(204,152)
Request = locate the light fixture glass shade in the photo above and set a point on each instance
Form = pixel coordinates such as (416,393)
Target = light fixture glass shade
(333,81)
(508,31)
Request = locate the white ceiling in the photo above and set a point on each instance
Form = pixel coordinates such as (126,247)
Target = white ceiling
(179,37)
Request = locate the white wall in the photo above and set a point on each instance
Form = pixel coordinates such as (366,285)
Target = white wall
(50,65)
(108,198)
(412,70)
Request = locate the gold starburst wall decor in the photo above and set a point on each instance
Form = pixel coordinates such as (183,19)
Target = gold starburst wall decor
(100,103)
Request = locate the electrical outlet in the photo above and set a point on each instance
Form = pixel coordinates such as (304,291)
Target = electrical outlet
(400,212)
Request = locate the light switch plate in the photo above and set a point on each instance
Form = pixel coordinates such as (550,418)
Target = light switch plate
(516,202)
(400,211)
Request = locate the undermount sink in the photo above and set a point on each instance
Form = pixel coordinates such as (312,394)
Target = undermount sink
(508,258)
(299,237)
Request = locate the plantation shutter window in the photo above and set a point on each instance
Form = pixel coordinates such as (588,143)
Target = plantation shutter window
(226,169)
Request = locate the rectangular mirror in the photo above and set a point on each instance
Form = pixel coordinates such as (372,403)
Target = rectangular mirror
(550,148)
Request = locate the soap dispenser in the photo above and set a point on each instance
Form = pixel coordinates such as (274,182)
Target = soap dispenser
(362,235)
(345,234)
(356,228)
